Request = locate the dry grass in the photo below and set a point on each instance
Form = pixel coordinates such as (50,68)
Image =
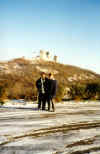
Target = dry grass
(20,83)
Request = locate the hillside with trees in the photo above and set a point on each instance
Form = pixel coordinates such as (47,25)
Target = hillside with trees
(18,77)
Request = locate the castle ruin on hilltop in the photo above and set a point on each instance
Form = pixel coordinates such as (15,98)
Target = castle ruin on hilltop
(45,56)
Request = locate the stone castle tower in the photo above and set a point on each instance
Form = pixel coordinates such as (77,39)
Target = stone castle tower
(55,58)
(42,55)
(45,55)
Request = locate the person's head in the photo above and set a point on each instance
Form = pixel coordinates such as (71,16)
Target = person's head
(43,75)
(51,76)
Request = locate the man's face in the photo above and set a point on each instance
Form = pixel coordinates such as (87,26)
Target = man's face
(43,76)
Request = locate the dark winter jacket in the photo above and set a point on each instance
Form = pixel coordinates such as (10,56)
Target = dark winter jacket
(39,85)
(52,87)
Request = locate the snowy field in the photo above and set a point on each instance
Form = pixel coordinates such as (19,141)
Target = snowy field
(74,128)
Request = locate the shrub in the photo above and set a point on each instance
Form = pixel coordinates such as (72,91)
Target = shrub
(60,92)
(2,94)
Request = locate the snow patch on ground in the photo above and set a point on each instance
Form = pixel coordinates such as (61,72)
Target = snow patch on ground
(19,118)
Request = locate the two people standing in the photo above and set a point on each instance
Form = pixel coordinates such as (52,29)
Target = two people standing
(47,88)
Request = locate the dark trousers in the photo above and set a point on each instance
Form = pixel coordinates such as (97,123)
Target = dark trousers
(53,107)
(50,103)
(41,101)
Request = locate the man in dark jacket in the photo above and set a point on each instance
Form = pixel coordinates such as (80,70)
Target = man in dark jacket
(42,86)
(52,91)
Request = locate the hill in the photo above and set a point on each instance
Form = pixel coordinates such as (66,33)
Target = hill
(18,77)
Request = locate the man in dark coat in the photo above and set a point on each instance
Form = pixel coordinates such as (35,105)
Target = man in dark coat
(42,86)
(52,91)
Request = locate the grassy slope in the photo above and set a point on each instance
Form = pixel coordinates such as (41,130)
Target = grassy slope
(21,79)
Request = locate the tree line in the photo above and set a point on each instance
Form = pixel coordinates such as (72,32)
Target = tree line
(23,87)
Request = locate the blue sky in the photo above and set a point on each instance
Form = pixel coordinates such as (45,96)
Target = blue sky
(68,28)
